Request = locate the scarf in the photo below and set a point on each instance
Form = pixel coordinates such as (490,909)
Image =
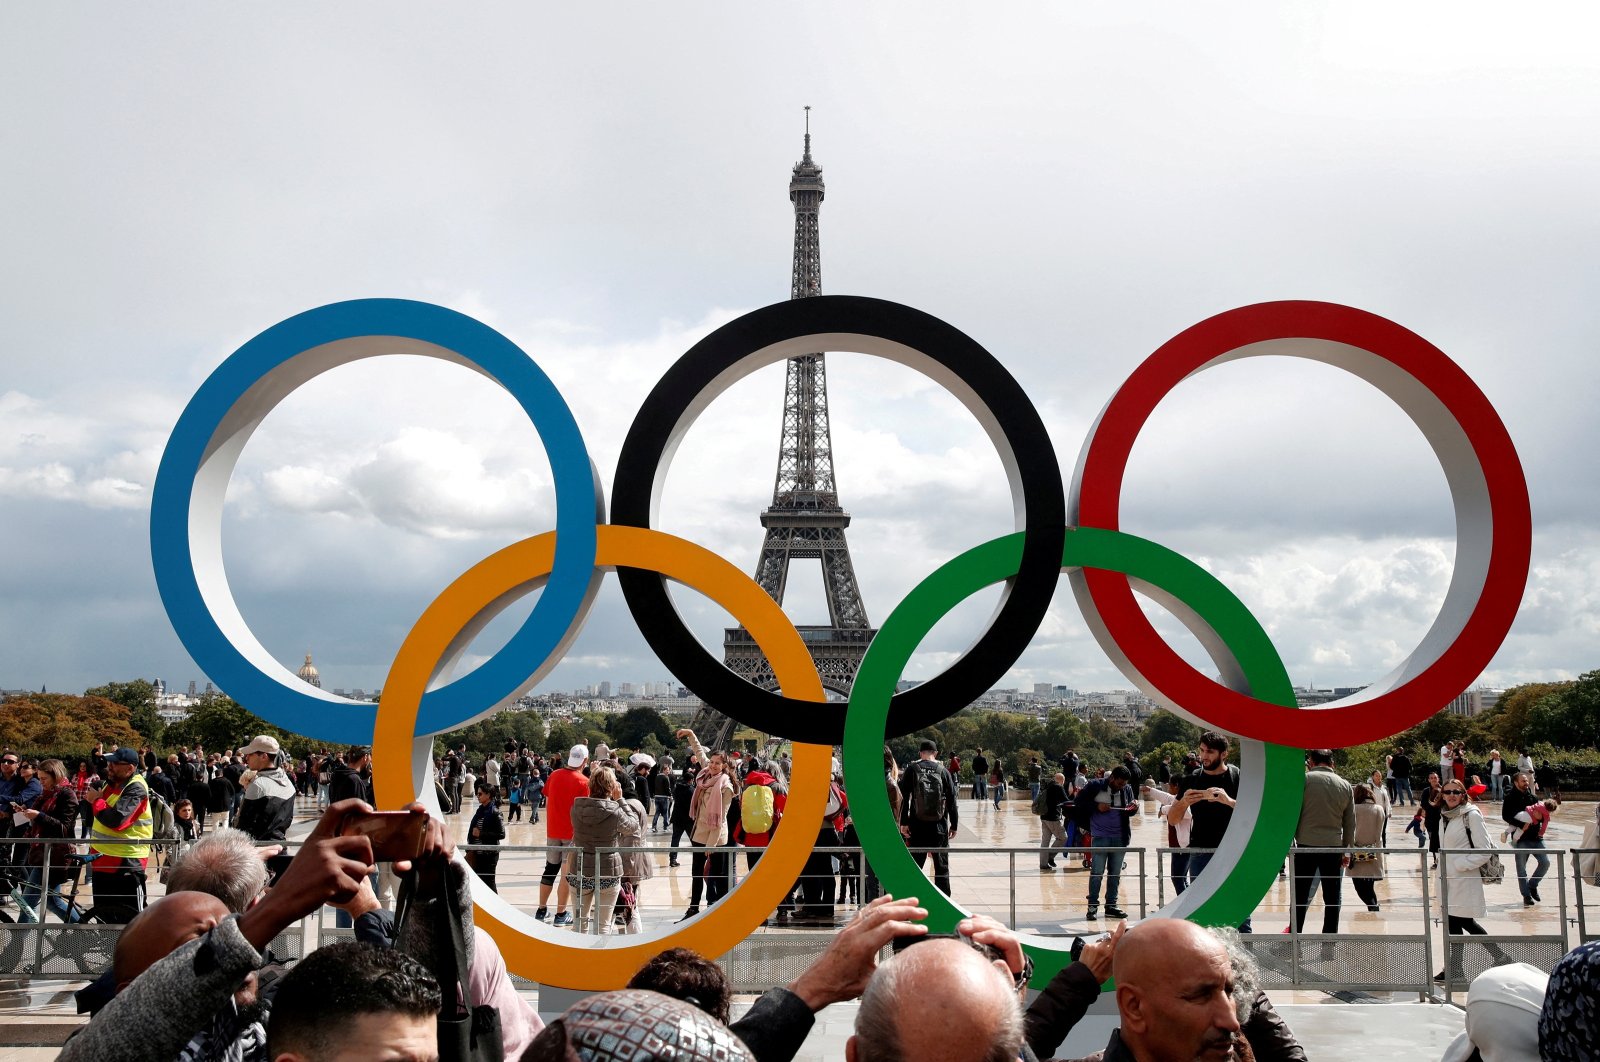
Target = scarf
(1570,1020)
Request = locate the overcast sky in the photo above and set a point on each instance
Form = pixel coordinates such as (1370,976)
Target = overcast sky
(1071,185)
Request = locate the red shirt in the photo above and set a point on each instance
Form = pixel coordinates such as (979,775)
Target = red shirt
(565,786)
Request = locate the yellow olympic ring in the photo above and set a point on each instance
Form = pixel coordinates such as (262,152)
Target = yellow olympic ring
(532,949)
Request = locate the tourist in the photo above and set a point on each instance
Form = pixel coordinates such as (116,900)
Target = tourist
(1383,798)
(928,812)
(593,871)
(714,792)
(355,1000)
(1208,793)
(1177,834)
(997,781)
(1433,806)
(348,776)
(50,815)
(1327,820)
(1107,809)
(637,864)
(562,790)
(1366,862)
(1052,835)
(980,775)
(183,820)
(689,976)
(1400,763)
(1527,837)
(1462,891)
(1497,775)
(486,828)
(267,811)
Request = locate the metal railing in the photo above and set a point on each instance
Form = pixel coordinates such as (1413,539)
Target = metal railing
(1393,951)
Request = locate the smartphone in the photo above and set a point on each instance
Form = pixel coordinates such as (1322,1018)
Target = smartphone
(1078,944)
(394,834)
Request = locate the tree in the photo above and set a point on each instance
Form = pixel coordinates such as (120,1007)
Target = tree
(1164,727)
(221,723)
(139,697)
(1510,714)
(59,724)
(637,724)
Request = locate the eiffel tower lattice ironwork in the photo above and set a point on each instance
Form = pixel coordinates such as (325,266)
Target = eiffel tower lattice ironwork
(805,520)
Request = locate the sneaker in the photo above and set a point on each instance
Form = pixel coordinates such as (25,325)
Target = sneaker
(1533,890)
(542,913)
(1094,914)
(1113,911)
(562,919)
(1527,901)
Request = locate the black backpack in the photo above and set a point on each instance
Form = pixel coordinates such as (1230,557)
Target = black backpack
(927,793)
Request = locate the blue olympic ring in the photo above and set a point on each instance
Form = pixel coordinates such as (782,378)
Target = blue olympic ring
(186,510)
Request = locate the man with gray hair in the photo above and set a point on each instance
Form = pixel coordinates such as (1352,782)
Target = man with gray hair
(226,864)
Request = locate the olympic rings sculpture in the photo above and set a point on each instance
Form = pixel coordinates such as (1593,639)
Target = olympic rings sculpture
(1075,531)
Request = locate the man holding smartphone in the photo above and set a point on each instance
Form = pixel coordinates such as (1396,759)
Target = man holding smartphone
(1208,795)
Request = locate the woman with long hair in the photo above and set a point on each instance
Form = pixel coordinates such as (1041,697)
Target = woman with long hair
(595,874)
(714,793)
(1462,886)
(1372,823)
(50,814)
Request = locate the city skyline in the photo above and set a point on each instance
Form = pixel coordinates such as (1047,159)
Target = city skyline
(1070,188)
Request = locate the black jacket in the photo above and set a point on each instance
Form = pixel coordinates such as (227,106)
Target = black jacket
(344,782)
(1054,795)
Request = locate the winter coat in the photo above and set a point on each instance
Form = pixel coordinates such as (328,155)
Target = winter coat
(58,811)
(597,823)
(1465,886)
(1369,832)
(636,866)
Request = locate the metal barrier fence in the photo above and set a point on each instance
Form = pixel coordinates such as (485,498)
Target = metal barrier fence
(1395,949)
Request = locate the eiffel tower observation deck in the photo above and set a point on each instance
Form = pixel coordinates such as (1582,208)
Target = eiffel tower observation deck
(805,520)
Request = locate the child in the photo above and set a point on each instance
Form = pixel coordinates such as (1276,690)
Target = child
(1418,827)
(516,802)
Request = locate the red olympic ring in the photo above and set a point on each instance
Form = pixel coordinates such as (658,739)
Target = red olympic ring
(1493,519)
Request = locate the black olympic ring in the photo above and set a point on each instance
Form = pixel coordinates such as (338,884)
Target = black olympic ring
(902,334)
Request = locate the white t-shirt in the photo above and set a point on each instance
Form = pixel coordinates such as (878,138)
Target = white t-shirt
(1446,758)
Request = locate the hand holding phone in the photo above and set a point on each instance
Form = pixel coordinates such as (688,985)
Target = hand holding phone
(394,835)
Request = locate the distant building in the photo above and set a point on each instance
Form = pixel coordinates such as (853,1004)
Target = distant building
(307,673)
(1473,702)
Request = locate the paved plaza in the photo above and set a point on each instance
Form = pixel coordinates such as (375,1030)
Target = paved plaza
(990,842)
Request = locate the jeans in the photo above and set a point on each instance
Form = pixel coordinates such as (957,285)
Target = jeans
(1105,862)
(998,792)
(980,788)
(663,813)
(1531,845)
(1197,865)
(1308,867)
(33,892)
(1179,872)
(1402,790)
(1033,791)
(1497,784)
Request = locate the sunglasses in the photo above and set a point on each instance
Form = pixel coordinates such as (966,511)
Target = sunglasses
(8,763)
(1455,792)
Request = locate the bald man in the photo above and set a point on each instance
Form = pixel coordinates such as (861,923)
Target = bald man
(1174,995)
(941,999)
(163,928)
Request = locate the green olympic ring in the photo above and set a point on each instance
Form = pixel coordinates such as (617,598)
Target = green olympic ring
(1271,782)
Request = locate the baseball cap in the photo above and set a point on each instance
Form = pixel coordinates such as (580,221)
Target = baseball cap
(579,753)
(124,755)
(264,743)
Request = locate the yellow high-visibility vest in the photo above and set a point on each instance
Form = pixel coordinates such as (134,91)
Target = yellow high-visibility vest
(140,829)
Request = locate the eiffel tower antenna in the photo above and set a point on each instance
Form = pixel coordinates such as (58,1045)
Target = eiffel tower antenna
(805,520)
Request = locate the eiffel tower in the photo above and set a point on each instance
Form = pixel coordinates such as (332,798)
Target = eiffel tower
(805,520)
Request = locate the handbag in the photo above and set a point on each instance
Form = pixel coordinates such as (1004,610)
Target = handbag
(1493,872)
(466,1033)
(1367,853)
